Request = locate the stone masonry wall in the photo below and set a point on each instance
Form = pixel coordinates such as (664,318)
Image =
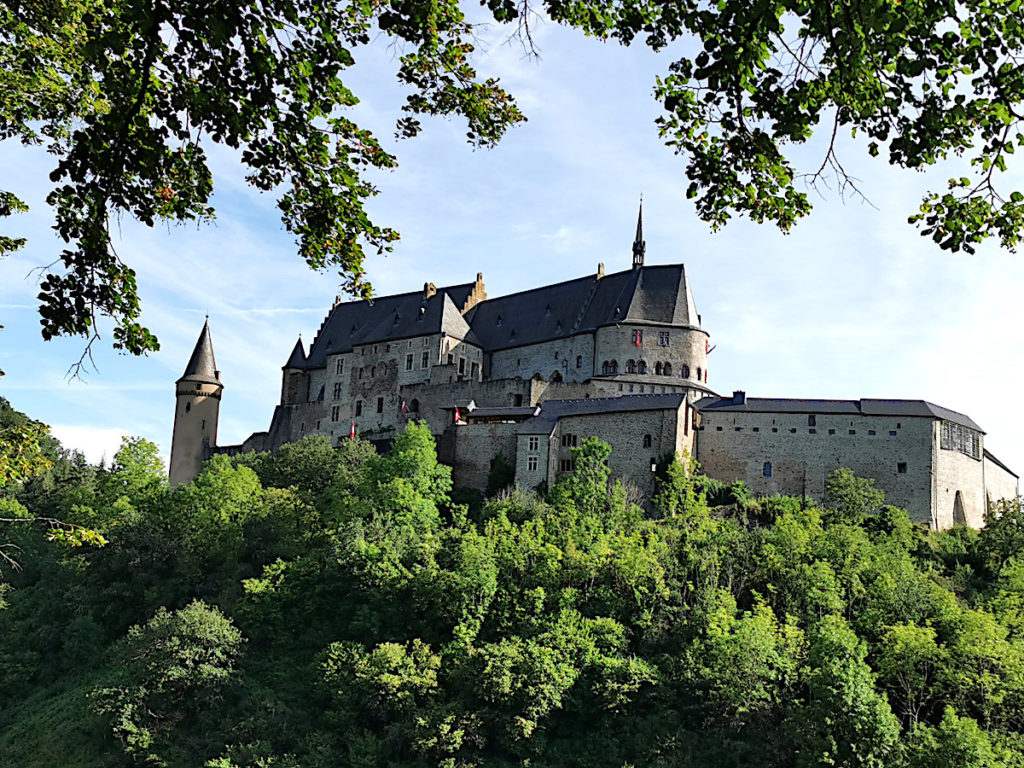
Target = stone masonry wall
(547,358)
(729,449)
(999,484)
(955,471)
(475,446)
(686,346)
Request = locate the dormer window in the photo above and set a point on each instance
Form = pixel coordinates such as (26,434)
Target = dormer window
(498,321)
(547,311)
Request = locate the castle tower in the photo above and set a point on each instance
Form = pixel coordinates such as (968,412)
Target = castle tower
(197,393)
(639,246)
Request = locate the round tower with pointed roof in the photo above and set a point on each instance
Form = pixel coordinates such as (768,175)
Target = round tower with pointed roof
(197,408)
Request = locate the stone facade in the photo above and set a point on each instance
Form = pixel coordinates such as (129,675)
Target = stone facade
(620,356)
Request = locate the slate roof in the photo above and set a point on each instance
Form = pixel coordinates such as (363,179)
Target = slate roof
(297,359)
(659,294)
(390,318)
(656,294)
(553,410)
(201,366)
(862,407)
(509,412)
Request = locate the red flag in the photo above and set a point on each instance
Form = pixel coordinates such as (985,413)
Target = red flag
(352,432)
(458,416)
(403,406)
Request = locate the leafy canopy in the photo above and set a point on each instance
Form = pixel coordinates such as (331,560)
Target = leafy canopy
(128,96)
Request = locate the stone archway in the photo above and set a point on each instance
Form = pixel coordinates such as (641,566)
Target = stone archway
(959,513)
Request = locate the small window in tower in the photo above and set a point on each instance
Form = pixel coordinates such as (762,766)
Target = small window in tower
(685,372)
(340,367)
(871,431)
(335,413)
(853,431)
(667,370)
(766,470)
(663,338)
(359,407)
(647,441)
(892,433)
(901,467)
(380,405)
(579,361)
(698,374)
(204,424)
(188,407)
(462,365)
(373,371)
(199,386)
(811,421)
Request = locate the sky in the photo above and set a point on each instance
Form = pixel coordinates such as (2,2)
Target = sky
(852,303)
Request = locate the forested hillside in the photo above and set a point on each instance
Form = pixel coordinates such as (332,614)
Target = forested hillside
(333,607)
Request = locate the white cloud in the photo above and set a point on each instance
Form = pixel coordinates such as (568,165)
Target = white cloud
(95,443)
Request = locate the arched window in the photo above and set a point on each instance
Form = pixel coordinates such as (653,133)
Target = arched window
(667,370)
(685,372)
(657,369)
(556,376)
(615,366)
(630,366)
(414,406)
(959,515)
(647,441)
(641,367)
(605,368)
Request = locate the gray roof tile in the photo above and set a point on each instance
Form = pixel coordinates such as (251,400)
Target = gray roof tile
(553,410)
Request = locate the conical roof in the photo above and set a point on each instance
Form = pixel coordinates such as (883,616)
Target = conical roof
(201,366)
(297,359)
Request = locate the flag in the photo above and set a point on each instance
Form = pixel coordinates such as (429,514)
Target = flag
(403,407)
(352,432)
(458,416)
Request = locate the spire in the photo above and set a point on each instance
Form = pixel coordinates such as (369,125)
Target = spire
(297,359)
(639,246)
(201,366)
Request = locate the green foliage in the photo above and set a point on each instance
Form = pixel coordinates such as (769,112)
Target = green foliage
(501,474)
(384,625)
(851,499)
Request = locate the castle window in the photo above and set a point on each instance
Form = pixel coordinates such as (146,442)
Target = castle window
(641,387)
(414,405)
(871,431)
(556,355)
(792,431)
(380,405)
(565,465)
(620,387)
(685,371)
(811,421)
(775,429)
(812,431)
(630,387)
(498,322)
(188,407)
(766,470)
(359,407)
(426,360)
(755,429)
(408,362)
(387,348)
(373,371)
(638,337)
(604,367)
(630,366)
(375,349)
(451,359)
(956,437)
(335,412)
(831,431)
(533,443)
(426,341)
(340,368)
(641,367)
(901,467)
(615,367)
(475,369)
(337,390)
(853,431)
(892,433)
(199,386)
(657,369)
(556,376)
(579,361)
(547,310)
(570,441)
(647,441)
(718,429)
(698,374)
(462,365)
(667,370)
(204,424)
(517,400)
(531,463)
(663,338)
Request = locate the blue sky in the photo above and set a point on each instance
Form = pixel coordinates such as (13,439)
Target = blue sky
(854,303)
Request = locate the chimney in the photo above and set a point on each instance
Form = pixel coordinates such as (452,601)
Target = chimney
(739,397)
(429,289)
(600,270)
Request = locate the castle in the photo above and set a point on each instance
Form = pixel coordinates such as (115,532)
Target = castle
(619,356)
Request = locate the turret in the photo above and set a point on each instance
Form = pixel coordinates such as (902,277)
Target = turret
(197,408)
(295,381)
(639,246)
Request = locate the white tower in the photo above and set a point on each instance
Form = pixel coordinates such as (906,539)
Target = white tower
(197,393)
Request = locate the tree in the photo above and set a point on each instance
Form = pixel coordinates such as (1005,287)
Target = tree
(128,95)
